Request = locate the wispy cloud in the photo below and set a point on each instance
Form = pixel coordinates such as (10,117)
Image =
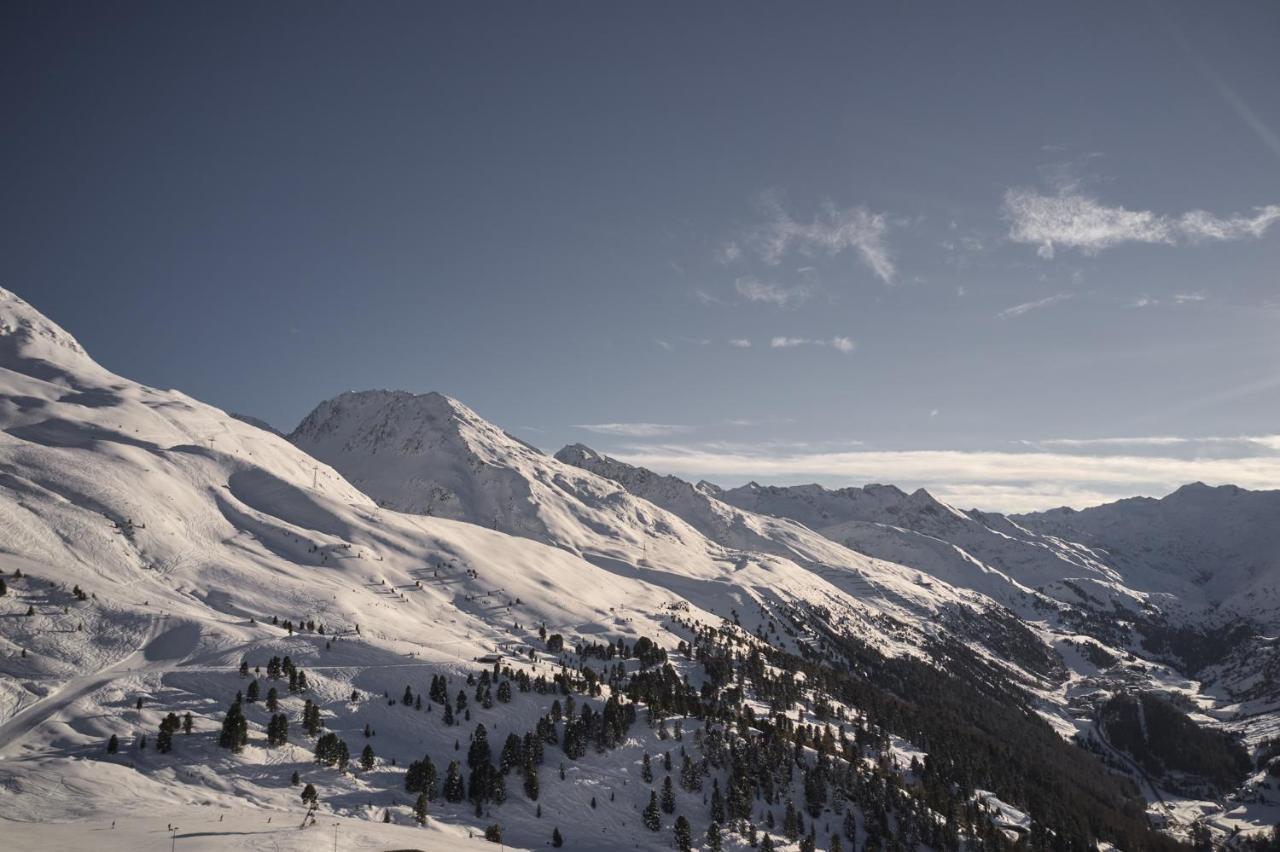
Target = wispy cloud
(832,231)
(1077,221)
(633,430)
(840,344)
(740,343)
(754,290)
(1177,299)
(1216,445)
(1027,307)
(1007,481)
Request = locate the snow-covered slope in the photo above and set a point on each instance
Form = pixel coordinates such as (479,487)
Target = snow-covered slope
(1218,547)
(701,506)
(432,455)
(150,544)
(986,553)
(154,540)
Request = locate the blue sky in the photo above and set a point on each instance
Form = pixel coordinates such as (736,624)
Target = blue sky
(1022,254)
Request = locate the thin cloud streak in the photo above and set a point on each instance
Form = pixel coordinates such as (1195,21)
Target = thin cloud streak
(1076,221)
(1027,307)
(844,345)
(633,430)
(755,290)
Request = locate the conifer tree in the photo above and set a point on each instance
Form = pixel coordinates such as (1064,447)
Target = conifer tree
(113,744)
(530,779)
(235,729)
(668,796)
(420,809)
(650,817)
(557,840)
(683,834)
(454,789)
(309,795)
(713,837)
(366,758)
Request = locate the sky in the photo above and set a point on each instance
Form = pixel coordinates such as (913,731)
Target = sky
(1023,255)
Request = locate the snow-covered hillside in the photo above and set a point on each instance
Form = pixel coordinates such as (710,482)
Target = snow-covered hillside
(429,454)
(151,543)
(1218,547)
(161,556)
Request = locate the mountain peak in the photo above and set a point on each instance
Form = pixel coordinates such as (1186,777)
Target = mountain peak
(28,337)
(576,454)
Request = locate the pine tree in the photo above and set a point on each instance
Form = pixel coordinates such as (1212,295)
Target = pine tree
(646,770)
(454,789)
(295,779)
(235,729)
(713,837)
(791,823)
(511,756)
(309,796)
(668,796)
(836,845)
(164,741)
(650,816)
(420,809)
(556,839)
(251,694)
(113,744)
(478,753)
(273,700)
(187,723)
(407,700)
(683,834)
(366,758)
(530,779)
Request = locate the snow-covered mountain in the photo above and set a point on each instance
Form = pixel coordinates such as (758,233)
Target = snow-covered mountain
(429,454)
(1217,547)
(157,553)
